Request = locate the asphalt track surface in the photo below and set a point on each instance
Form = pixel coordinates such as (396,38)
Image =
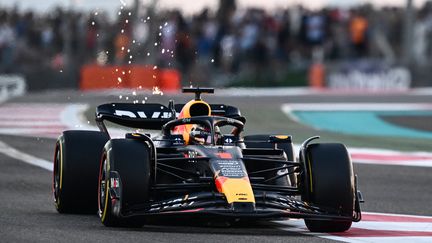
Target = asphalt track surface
(27,212)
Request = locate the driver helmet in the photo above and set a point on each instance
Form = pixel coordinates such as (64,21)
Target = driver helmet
(201,135)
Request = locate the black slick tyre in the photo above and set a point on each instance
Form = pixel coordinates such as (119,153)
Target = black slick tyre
(75,173)
(329,184)
(124,181)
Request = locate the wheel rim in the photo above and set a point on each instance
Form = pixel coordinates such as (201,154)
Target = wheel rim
(102,189)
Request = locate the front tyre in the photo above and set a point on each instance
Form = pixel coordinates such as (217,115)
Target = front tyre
(330,184)
(124,181)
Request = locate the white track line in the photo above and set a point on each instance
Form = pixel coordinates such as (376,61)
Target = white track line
(71,117)
(374,227)
(370,155)
(27,158)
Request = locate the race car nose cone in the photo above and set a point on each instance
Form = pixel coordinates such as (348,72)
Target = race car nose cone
(243,207)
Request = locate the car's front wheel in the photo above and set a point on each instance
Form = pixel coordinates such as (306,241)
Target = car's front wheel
(124,181)
(329,179)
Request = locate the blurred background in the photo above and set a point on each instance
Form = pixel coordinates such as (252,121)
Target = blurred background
(356,72)
(222,43)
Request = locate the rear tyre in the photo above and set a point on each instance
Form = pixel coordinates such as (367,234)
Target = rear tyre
(75,174)
(286,147)
(124,181)
(330,183)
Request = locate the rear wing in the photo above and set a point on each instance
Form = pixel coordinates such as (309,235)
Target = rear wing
(152,116)
(145,116)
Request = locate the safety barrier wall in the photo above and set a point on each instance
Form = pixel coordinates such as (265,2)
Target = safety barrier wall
(94,77)
(11,86)
(360,75)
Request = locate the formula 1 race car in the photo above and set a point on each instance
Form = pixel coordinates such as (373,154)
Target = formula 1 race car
(200,165)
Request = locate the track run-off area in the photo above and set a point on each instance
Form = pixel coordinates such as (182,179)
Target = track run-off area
(395,182)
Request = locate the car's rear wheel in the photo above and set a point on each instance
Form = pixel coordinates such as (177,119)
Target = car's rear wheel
(75,173)
(329,180)
(124,181)
(251,141)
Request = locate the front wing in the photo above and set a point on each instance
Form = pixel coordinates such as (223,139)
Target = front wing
(267,206)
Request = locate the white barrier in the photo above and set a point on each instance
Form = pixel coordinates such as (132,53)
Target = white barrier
(11,86)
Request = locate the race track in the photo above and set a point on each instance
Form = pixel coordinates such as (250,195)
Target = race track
(27,212)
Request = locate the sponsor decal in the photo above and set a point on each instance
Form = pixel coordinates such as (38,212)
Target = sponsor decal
(173,204)
(115,182)
(142,114)
(228,141)
(229,168)
(369,75)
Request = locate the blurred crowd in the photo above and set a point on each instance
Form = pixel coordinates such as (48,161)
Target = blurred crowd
(227,41)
